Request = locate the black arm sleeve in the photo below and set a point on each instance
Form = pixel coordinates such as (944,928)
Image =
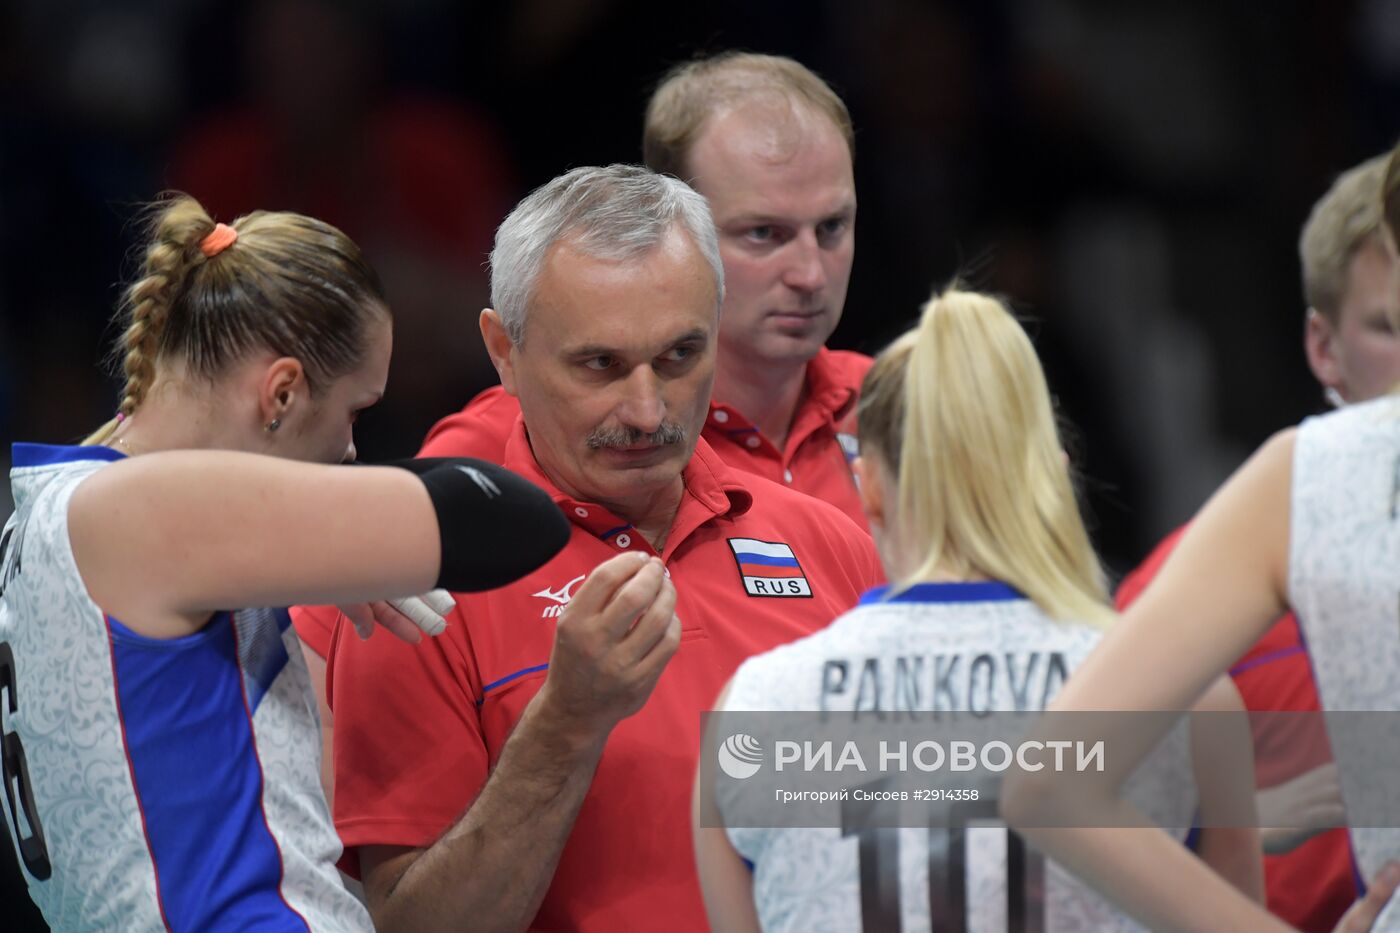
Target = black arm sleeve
(495,526)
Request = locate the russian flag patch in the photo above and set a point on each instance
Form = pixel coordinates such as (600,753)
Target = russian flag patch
(769,568)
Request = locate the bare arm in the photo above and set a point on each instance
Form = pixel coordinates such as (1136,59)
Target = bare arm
(1221,588)
(492,868)
(725,881)
(246,530)
(1222,755)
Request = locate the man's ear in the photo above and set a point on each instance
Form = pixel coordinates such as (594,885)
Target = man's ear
(871,486)
(283,385)
(1320,345)
(500,347)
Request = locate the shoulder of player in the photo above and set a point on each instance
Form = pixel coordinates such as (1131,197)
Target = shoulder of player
(1271,467)
(55,503)
(1361,424)
(41,532)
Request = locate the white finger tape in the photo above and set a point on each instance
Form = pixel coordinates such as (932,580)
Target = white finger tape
(440,601)
(421,614)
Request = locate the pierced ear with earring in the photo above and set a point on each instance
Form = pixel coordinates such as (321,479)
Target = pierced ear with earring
(272,425)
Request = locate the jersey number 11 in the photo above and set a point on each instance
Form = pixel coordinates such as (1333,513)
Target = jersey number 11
(947,872)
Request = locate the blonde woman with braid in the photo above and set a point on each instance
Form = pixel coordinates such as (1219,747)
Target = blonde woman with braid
(971,503)
(160,742)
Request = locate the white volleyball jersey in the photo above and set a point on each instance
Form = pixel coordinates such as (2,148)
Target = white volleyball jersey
(1344,586)
(154,784)
(983,646)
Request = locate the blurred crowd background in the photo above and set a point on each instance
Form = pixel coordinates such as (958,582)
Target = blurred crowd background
(1132,174)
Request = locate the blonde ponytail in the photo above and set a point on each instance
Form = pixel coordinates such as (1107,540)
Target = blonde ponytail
(959,410)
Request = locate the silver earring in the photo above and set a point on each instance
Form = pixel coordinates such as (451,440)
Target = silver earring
(272,425)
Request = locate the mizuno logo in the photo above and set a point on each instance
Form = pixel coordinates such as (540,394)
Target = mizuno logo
(560,598)
(484,482)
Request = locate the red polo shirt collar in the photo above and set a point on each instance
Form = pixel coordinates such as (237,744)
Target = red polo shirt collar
(827,398)
(828,386)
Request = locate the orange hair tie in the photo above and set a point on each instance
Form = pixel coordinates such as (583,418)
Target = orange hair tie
(217,241)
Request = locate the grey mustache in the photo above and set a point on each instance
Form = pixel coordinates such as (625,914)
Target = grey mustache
(603,439)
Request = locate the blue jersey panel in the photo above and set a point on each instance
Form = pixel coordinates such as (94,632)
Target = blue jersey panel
(187,722)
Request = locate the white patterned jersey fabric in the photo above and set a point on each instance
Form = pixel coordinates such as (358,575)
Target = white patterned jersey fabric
(1344,586)
(996,651)
(154,784)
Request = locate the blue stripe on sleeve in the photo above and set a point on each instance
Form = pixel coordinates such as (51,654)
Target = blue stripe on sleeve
(508,678)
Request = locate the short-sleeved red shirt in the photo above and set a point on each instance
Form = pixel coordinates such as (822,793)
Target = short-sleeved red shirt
(1312,886)
(419,727)
(815,459)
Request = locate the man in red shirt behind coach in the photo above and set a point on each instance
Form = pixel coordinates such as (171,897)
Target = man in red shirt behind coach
(532,765)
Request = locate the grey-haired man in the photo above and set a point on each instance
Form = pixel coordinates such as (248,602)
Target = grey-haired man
(533,764)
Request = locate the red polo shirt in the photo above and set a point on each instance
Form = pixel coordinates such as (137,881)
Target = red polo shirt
(815,459)
(1312,886)
(418,728)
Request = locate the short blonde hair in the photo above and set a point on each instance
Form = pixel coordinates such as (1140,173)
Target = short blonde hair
(959,411)
(1341,222)
(691,92)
